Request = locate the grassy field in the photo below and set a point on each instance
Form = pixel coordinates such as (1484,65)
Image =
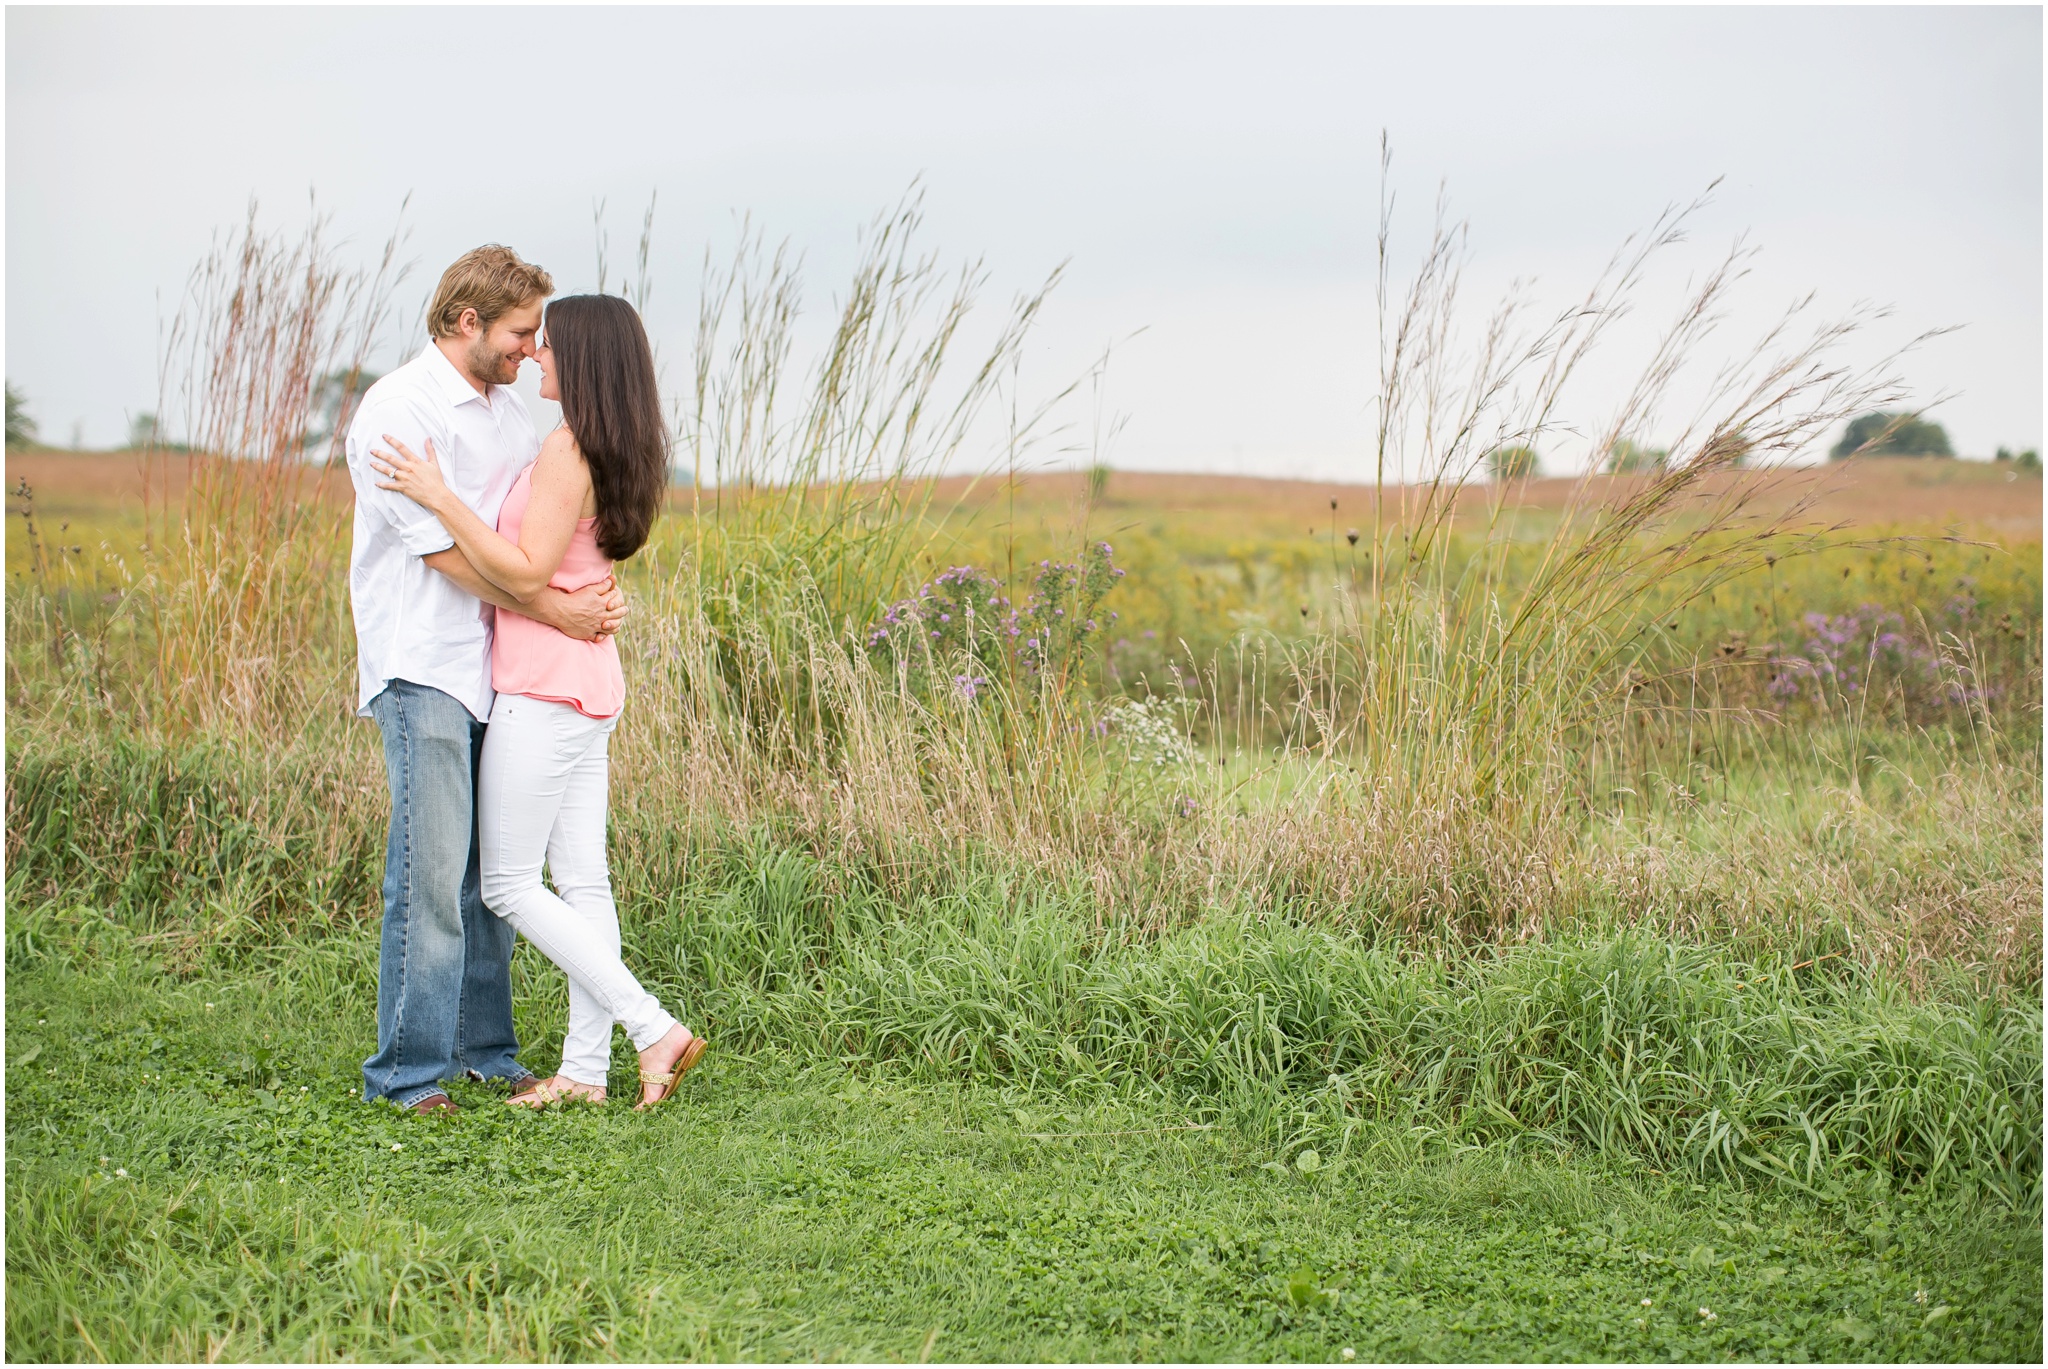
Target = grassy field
(185,1186)
(1137,916)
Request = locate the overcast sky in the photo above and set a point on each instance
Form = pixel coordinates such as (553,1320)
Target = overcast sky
(1211,174)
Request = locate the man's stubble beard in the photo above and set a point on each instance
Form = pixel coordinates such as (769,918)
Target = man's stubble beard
(490,365)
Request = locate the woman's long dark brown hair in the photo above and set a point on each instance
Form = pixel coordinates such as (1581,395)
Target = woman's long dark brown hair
(604,370)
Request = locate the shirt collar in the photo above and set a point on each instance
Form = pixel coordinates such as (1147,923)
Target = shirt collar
(453,385)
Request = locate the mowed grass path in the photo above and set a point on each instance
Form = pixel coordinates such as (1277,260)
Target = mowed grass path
(787,1208)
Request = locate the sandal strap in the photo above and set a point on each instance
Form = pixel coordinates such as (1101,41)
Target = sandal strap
(657,1076)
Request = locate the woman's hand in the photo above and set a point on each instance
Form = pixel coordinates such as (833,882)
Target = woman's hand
(417,478)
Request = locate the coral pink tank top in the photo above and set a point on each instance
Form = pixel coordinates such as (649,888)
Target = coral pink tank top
(535,660)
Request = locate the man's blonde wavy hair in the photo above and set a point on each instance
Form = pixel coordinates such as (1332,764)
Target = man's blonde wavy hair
(491,280)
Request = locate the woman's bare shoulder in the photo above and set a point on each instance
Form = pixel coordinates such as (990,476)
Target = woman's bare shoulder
(561,444)
(561,458)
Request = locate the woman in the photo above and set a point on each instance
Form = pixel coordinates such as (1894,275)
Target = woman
(586,502)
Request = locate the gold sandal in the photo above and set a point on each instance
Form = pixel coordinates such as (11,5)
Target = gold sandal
(666,1080)
(547,1091)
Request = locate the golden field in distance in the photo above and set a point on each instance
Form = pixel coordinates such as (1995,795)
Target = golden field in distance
(1971,497)
(1934,495)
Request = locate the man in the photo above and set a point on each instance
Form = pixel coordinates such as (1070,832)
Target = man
(423,665)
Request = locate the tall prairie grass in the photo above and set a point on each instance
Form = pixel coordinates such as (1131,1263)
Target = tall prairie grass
(1430,752)
(248,565)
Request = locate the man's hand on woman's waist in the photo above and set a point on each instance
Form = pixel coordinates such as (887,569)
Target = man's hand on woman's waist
(590,614)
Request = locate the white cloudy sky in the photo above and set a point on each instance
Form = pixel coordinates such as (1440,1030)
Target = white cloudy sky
(1210,173)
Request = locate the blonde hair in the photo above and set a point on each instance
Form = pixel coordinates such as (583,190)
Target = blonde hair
(491,280)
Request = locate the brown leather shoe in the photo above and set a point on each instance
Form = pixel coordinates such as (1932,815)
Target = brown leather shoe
(435,1104)
(525,1083)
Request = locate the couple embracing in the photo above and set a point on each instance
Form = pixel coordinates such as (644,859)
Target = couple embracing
(481,584)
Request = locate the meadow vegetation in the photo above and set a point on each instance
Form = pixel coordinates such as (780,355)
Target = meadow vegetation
(1483,896)
(191,1177)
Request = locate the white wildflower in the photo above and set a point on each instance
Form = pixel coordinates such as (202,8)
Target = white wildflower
(1151,733)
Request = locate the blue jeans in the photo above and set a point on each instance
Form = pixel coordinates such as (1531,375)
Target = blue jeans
(444,967)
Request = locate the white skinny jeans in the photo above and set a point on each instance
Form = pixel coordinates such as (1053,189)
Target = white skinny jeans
(541,788)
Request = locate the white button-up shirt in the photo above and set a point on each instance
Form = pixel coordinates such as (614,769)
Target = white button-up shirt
(412,622)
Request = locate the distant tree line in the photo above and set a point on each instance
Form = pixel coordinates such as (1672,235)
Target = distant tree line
(1876,434)
(1516,462)
(1892,435)
(1625,456)
(334,402)
(21,429)
(334,407)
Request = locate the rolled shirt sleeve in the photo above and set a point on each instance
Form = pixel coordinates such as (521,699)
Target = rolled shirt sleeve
(420,532)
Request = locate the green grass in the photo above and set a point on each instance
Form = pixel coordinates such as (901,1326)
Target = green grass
(793,1205)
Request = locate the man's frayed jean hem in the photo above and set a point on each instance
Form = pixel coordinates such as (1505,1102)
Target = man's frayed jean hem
(412,1096)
